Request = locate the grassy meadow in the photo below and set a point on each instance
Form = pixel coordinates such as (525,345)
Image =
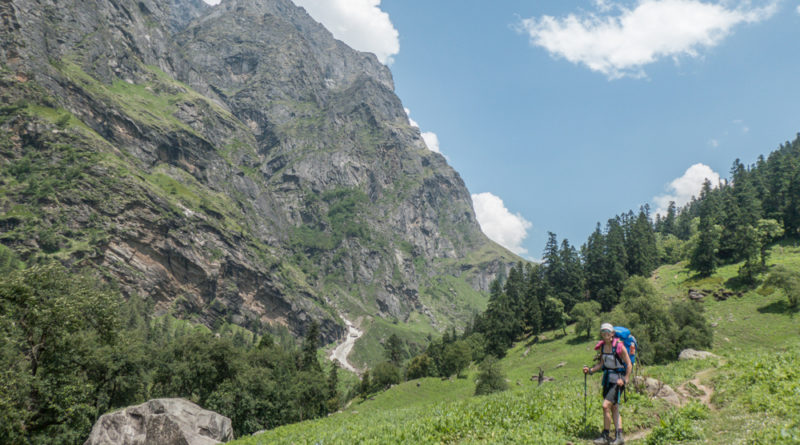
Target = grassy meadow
(756,386)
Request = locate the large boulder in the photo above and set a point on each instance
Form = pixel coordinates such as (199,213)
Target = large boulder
(691,354)
(161,422)
(658,389)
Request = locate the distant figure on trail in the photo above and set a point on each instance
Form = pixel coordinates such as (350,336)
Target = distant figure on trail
(616,365)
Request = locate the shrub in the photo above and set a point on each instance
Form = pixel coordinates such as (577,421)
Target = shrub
(420,366)
(678,425)
(490,378)
(385,375)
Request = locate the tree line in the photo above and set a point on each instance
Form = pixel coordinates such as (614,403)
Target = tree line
(71,349)
(734,221)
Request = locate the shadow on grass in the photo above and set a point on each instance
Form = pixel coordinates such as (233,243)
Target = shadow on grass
(579,340)
(738,284)
(698,280)
(779,307)
(538,340)
(587,430)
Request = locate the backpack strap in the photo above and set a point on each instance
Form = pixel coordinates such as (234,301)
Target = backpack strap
(617,346)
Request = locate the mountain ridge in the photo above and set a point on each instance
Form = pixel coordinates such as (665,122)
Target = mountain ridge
(235,163)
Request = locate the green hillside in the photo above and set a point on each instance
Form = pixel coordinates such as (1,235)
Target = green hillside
(756,383)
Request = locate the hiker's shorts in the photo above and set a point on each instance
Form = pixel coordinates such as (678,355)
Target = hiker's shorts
(612,393)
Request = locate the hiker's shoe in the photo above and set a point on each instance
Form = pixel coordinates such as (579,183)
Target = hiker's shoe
(618,440)
(603,439)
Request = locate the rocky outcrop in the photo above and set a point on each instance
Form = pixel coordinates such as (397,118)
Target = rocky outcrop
(691,354)
(657,389)
(161,422)
(234,163)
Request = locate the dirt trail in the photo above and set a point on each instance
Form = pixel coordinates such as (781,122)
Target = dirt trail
(700,392)
(341,351)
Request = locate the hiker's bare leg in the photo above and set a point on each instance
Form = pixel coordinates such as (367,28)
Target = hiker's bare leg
(607,414)
(617,418)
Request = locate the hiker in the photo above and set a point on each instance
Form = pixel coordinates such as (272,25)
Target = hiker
(616,365)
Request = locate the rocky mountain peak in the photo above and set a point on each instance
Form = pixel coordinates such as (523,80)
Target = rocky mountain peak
(236,164)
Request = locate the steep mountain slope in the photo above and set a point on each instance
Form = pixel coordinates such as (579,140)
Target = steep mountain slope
(233,163)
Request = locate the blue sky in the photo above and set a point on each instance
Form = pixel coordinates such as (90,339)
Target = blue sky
(559,114)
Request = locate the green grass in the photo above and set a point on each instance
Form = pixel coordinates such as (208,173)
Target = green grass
(369,349)
(544,415)
(757,384)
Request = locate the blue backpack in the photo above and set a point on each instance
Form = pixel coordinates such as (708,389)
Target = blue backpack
(628,340)
(622,338)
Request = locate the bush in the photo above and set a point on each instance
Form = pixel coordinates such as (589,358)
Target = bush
(585,315)
(384,375)
(455,358)
(420,366)
(490,378)
(678,425)
(662,331)
(786,280)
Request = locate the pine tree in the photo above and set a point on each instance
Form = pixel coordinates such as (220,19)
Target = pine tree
(393,349)
(308,357)
(594,260)
(668,225)
(641,246)
(571,276)
(552,264)
(703,258)
(615,259)
(533,311)
(515,288)
(500,323)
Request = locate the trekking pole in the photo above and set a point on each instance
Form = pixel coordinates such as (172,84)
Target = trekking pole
(584,396)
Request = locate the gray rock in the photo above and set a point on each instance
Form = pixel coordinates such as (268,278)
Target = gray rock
(161,422)
(658,389)
(264,112)
(691,354)
(696,295)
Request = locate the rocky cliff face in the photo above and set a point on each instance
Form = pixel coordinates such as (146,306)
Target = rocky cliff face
(234,163)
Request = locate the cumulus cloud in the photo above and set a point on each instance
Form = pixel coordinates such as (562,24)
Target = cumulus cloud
(430,138)
(681,190)
(798,9)
(621,45)
(499,224)
(359,23)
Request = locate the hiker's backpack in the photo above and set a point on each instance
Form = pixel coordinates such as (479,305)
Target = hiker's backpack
(628,340)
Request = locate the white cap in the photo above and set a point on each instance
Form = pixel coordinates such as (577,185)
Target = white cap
(607,326)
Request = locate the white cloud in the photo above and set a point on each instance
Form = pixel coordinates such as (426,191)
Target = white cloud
(603,5)
(212,2)
(798,9)
(430,138)
(410,121)
(682,189)
(714,143)
(622,45)
(500,225)
(359,23)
